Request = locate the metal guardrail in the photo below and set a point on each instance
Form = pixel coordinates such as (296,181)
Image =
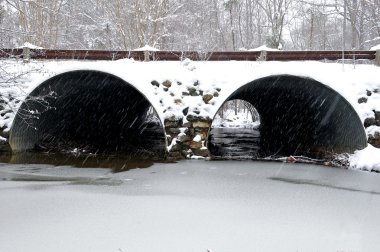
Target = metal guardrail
(193,55)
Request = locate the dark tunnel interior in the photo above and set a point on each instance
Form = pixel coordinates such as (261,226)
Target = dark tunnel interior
(88,110)
(300,116)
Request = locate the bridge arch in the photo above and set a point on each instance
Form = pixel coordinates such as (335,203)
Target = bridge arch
(85,109)
(301,116)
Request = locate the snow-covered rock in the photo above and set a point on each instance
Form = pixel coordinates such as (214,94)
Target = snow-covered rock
(366,159)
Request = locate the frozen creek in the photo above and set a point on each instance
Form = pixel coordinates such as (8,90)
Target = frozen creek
(189,206)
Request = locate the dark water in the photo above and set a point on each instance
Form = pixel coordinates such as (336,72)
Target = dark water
(223,144)
(116,162)
(149,150)
(234,143)
(244,144)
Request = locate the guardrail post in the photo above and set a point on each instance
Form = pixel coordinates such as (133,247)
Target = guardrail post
(263,56)
(26,54)
(146,55)
(377,58)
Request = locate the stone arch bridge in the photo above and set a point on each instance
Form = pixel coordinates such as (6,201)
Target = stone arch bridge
(108,111)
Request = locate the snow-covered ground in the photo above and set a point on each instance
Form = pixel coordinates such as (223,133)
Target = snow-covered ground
(230,120)
(351,81)
(189,206)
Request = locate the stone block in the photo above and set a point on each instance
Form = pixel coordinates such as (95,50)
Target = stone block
(374,139)
(369,122)
(167,83)
(202,133)
(177,101)
(155,83)
(377,115)
(187,124)
(199,124)
(169,138)
(362,100)
(195,145)
(207,97)
(173,130)
(203,152)
(183,138)
(175,147)
(171,124)
(193,118)
(185,111)
(175,155)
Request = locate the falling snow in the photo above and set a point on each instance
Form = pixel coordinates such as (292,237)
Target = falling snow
(351,81)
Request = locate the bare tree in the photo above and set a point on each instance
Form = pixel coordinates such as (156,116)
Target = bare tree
(276,11)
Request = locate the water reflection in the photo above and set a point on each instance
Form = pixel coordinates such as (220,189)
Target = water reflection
(116,162)
(234,143)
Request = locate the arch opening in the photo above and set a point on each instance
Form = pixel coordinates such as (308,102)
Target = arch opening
(301,117)
(88,111)
(234,132)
